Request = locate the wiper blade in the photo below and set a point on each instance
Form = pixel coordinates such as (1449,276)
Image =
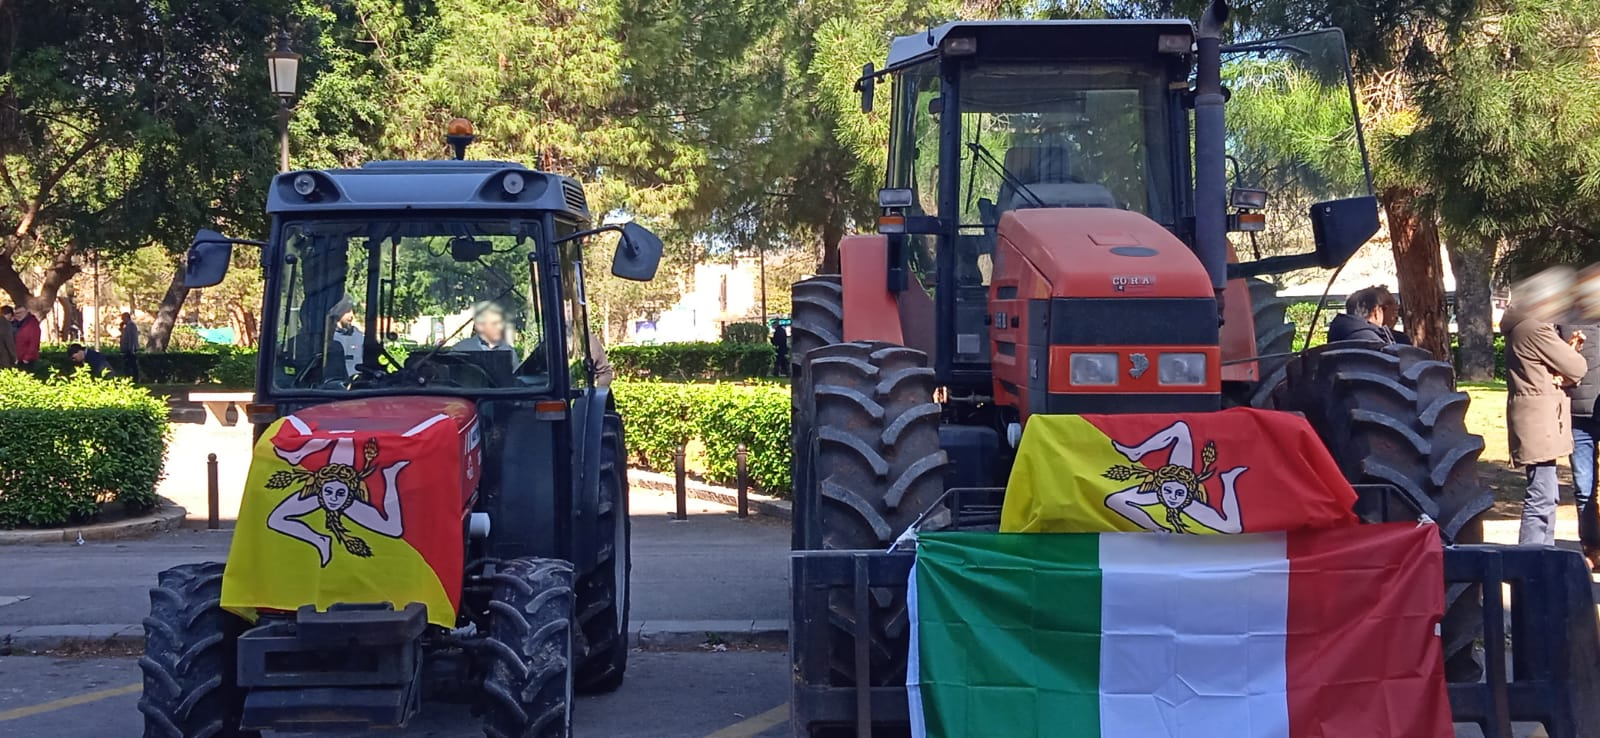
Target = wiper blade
(980,151)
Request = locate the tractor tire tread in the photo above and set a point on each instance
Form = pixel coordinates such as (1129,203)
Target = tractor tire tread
(527,681)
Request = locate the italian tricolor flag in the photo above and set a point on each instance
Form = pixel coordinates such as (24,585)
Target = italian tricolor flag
(1312,634)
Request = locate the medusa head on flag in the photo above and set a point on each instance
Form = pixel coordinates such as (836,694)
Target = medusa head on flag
(341,491)
(1177,487)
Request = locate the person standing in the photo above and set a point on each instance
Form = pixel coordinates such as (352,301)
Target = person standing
(1538,413)
(8,340)
(1585,434)
(130,347)
(780,342)
(27,338)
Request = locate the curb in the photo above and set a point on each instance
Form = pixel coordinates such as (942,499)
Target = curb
(167,516)
(759,504)
(652,634)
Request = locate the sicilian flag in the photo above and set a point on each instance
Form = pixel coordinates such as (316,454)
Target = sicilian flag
(1234,471)
(1310,634)
(359,501)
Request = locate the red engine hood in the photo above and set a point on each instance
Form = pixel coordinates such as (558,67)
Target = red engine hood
(398,415)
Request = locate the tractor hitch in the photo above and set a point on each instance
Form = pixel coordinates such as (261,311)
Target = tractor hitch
(349,666)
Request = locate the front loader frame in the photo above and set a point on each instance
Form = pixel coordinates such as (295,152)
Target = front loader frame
(1541,643)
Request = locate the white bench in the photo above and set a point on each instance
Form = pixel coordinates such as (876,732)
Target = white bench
(218,405)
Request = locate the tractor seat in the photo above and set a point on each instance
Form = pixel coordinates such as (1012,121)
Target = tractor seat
(1062,195)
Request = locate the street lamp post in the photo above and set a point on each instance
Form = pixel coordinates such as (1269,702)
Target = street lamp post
(283,68)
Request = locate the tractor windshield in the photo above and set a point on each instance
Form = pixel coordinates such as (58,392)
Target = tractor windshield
(414,303)
(1051,136)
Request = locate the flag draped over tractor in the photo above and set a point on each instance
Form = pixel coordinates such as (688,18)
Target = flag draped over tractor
(1304,625)
(356,501)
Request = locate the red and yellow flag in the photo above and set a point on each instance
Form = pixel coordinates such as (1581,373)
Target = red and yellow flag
(357,501)
(1235,471)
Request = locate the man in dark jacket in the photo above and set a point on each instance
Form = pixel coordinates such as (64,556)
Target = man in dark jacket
(780,344)
(1361,321)
(99,366)
(1390,305)
(1585,434)
(130,347)
(8,341)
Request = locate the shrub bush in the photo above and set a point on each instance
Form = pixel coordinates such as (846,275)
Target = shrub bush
(69,444)
(745,333)
(228,366)
(662,416)
(678,362)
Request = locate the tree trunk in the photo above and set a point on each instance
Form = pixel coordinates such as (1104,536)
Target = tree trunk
(1472,258)
(71,315)
(60,270)
(832,234)
(167,313)
(1415,238)
(243,322)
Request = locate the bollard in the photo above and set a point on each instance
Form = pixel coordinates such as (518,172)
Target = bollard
(741,456)
(682,486)
(211,493)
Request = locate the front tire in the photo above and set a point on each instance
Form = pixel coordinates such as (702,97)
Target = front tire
(603,595)
(190,652)
(528,682)
(1392,415)
(874,465)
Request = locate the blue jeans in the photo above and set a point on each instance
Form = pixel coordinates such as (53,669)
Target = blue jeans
(1585,433)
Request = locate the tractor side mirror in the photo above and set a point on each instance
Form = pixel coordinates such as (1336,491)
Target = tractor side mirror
(1341,227)
(867,85)
(638,254)
(208,259)
(468,250)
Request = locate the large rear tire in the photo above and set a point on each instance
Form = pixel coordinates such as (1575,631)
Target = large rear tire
(817,320)
(603,595)
(528,681)
(190,651)
(874,465)
(1392,415)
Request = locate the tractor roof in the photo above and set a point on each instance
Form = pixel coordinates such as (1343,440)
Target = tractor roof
(428,185)
(1042,39)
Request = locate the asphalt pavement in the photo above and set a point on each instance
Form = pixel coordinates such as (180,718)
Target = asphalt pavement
(734,694)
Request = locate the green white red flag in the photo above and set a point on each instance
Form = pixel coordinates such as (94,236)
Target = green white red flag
(1308,634)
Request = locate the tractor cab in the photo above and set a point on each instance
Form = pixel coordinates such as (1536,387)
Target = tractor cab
(437,496)
(993,122)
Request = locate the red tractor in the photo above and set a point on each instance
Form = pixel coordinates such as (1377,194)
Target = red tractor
(438,500)
(1054,238)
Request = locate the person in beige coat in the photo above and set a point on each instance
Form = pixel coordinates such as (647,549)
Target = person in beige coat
(1538,414)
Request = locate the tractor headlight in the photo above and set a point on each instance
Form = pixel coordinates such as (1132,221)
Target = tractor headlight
(1093,369)
(304,185)
(1182,369)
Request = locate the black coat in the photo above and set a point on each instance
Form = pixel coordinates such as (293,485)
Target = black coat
(1347,327)
(1588,389)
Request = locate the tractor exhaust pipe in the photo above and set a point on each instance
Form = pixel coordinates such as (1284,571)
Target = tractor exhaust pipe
(1210,132)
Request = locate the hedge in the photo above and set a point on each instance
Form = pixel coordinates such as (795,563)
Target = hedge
(663,416)
(745,333)
(680,362)
(69,444)
(227,366)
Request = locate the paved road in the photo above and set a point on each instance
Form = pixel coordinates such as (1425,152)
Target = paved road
(667,695)
(713,566)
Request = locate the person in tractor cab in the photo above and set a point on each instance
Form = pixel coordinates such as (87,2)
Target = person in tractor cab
(344,338)
(489,332)
(1362,320)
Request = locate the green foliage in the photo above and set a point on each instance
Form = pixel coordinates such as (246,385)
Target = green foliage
(230,367)
(745,333)
(662,417)
(67,445)
(691,361)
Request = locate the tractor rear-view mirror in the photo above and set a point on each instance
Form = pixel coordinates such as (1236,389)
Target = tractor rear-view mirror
(468,250)
(638,254)
(867,85)
(1341,227)
(208,259)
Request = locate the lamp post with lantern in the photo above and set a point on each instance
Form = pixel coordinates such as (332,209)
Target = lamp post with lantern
(283,68)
